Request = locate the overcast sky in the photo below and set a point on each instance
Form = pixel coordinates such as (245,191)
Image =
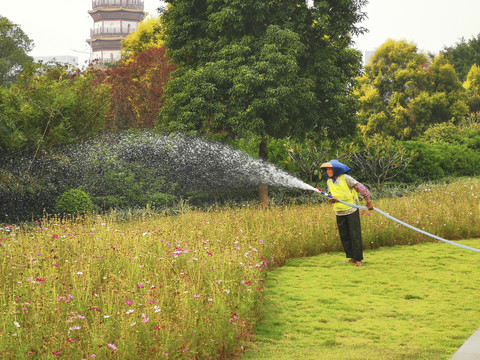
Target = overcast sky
(61,27)
(430,24)
(57,27)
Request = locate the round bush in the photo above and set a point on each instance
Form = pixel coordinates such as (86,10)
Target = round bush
(73,201)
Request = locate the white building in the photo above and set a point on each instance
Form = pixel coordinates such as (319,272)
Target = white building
(71,61)
(113,20)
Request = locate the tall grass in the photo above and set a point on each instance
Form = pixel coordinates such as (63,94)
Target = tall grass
(184,286)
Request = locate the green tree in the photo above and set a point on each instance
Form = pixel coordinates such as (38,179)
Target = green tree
(472,85)
(273,69)
(463,55)
(402,92)
(50,107)
(14,46)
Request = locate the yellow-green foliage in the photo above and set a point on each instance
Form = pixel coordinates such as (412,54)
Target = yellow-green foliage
(402,92)
(185,285)
(472,84)
(148,35)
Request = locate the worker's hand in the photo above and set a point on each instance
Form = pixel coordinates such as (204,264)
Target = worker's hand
(369,204)
(332,200)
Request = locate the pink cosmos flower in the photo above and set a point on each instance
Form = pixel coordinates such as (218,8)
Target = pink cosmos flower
(57,352)
(140,286)
(76,327)
(112,346)
(130,302)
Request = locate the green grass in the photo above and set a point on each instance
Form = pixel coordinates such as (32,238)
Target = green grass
(407,302)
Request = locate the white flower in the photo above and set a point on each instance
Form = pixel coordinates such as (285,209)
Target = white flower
(16,324)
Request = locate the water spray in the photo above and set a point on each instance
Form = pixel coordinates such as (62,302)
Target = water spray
(398,221)
(192,164)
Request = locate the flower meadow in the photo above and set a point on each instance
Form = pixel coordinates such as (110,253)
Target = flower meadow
(187,286)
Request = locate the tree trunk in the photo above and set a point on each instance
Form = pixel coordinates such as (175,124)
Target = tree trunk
(263,189)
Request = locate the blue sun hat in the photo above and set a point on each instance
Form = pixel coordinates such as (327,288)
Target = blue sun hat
(337,166)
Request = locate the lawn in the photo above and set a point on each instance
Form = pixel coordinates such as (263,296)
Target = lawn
(407,302)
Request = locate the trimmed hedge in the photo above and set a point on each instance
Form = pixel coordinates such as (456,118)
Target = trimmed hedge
(439,160)
(73,202)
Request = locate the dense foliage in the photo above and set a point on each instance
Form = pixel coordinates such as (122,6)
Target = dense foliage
(265,68)
(14,46)
(136,87)
(472,86)
(50,107)
(439,160)
(271,76)
(463,55)
(148,35)
(402,92)
(73,202)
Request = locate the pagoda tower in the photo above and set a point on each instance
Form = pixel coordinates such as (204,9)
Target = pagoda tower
(113,20)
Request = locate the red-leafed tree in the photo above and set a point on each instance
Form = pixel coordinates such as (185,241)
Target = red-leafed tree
(137,85)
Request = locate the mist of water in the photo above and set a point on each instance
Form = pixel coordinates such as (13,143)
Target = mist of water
(141,162)
(192,163)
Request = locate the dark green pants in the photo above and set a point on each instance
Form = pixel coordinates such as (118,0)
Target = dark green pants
(351,235)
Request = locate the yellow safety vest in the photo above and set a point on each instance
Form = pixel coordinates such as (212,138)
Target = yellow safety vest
(341,191)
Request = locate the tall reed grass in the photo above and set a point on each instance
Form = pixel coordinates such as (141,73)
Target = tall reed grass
(185,286)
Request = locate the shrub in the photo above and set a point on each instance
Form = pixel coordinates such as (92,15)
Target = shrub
(51,108)
(24,195)
(73,201)
(436,161)
(452,133)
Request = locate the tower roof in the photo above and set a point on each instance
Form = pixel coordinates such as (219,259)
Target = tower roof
(130,4)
